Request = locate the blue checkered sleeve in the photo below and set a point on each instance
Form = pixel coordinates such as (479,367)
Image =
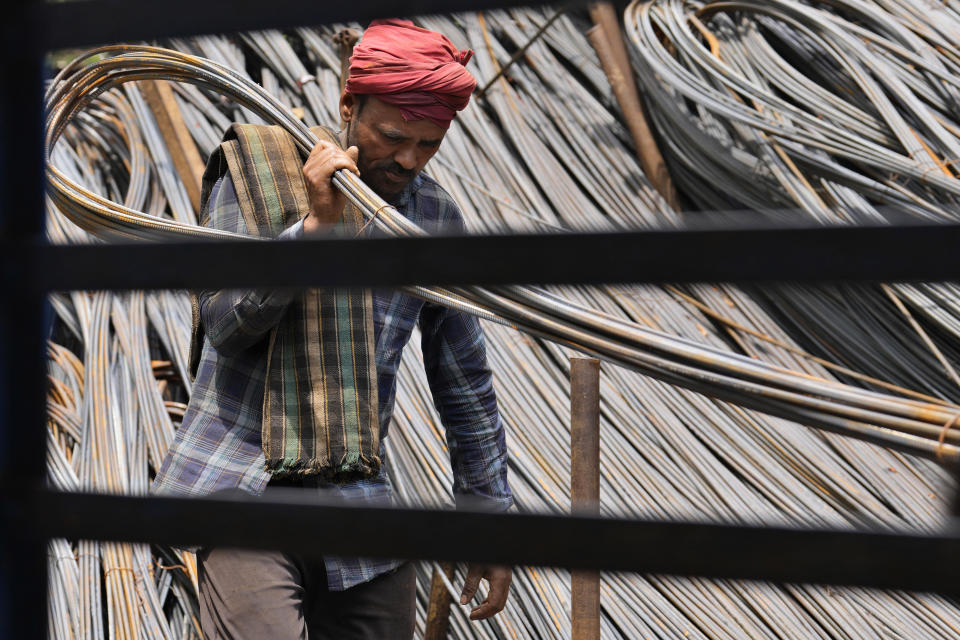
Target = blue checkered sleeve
(235,319)
(455,361)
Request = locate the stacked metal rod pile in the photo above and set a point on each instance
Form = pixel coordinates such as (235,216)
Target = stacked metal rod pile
(907,424)
(540,151)
(841,112)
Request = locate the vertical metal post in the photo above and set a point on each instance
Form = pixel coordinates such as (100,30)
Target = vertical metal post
(607,40)
(953,516)
(22,558)
(585,485)
(955,502)
(176,134)
(345,39)
(438,610)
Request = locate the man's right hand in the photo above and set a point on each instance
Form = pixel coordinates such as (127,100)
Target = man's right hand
(326,201)
(499,578)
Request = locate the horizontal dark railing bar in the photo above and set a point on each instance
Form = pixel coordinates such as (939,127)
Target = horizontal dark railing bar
(89,22)
(883,560)
(910,253)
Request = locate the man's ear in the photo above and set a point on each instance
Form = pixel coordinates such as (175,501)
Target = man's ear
(348,107)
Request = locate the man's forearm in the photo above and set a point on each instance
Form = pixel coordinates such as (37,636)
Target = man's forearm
(234,319)
(478,456)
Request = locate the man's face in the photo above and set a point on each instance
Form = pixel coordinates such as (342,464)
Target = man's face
(392,150)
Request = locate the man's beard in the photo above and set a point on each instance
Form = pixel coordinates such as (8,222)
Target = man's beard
(385,187)
(375,175)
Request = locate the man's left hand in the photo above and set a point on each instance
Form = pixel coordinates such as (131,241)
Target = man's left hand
(499,578)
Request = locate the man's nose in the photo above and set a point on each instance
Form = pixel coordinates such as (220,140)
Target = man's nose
(406,158)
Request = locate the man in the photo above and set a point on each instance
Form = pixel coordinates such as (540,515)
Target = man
(250,425)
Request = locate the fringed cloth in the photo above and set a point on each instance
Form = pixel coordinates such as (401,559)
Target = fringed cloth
(320,409)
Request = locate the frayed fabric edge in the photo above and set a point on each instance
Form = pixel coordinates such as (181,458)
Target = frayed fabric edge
(350,468)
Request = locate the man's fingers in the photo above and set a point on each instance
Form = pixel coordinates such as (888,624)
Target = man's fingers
(496,599)
(326,202)
(489,607)
(321,147)
(353,155)
(471,583)
(326,158)
(326,162)
(338,162)
(484,611)
(500,578)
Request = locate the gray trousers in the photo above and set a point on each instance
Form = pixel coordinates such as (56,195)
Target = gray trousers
(259,595)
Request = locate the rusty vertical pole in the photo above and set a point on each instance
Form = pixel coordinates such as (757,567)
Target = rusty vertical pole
(345,39)
(953,515)
(585,485)
(438,611)
(176,134)
(607,41)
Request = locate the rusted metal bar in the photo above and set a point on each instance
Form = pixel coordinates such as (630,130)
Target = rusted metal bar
(173,128)
(606,40)
(603,15)
(585,485)
(438,611)
(522,50)
(345,39)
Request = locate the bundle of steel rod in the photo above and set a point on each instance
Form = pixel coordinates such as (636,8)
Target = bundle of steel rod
(542,150)
(842,112)
(908,424)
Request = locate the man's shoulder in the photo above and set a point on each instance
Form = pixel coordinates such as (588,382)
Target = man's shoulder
(428,187)
(435,205)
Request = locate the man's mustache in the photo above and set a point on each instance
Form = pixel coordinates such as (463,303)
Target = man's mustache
(395,168)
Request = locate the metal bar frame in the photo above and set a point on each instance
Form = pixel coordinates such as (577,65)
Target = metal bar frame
(289,522)
(22,369)
(800,254)
(31,515)
(81,23)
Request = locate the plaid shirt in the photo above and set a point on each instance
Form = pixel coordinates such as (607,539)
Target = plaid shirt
(218,444)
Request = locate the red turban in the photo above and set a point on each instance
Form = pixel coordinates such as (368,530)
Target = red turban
(415,69)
